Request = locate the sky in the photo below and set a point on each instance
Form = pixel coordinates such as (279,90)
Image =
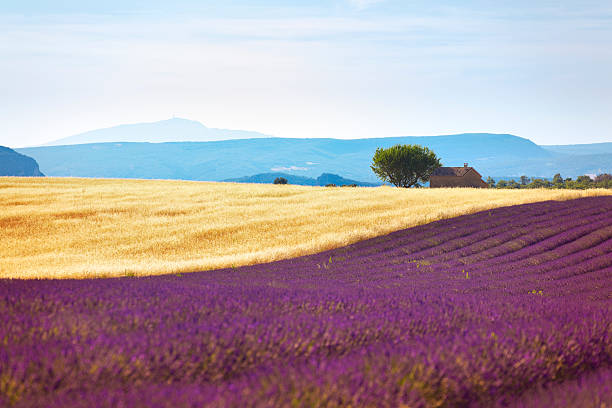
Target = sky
(338,68)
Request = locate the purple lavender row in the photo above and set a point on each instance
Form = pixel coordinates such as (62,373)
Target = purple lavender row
(502,234)
(461,228)
(589,391)
(343,328)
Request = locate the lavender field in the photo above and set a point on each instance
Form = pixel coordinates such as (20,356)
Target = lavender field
(507,307)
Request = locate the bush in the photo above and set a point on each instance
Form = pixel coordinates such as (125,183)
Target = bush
(280,180)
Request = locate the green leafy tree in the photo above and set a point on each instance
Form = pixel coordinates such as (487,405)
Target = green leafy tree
(603,180)
(524,180)
(513,184)
(280,180)
(404,165)
(584,182)
(491,182)
(581,182)
(570,184)
(539,183)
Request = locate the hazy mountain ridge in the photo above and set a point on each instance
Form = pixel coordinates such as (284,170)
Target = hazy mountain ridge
(13,163)
(171,130)
(581,149)
(498,155)
(222,160)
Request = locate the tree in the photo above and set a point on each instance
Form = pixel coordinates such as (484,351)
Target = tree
(584,182)
(280,180)
(404,165)
(558,180)
(513,184)
(491,182)
(539,183)
(603,180)
(524,180)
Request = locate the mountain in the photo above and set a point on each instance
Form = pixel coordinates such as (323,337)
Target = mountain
(569,165)
(221,160)
(171,130)
(323,180)
(268,178)
(15,164)
(328,178)
(498,155)
(580,149)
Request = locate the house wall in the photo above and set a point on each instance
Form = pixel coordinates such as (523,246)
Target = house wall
(469,180)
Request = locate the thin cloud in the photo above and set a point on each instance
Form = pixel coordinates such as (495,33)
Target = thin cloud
(398,72)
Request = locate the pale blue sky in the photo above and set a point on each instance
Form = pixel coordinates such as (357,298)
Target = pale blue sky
(340,68)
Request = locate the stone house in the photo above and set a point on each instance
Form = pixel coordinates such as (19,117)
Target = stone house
(456,177)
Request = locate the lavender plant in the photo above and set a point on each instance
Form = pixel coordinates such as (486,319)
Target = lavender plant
(508,307)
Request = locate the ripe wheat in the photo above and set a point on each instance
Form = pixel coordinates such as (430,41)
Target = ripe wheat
(82,228)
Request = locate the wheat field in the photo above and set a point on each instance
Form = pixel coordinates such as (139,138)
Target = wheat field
(85,228)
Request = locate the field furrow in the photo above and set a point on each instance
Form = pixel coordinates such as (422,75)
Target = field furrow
(507,307)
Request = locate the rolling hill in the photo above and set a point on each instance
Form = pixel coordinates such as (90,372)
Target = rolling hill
(184,149)
(16,164)
(490,154)
(147,227)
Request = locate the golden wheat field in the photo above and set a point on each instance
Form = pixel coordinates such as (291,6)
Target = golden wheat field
(83,228)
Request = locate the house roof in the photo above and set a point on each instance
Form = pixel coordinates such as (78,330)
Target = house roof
(453,171)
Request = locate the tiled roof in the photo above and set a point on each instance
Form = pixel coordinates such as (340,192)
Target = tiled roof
(451,171)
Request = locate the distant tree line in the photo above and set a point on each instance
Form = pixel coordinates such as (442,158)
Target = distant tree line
(581,182)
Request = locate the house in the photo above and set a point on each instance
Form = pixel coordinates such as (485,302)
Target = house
(456,177)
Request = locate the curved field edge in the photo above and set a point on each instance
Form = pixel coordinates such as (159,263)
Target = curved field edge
(480,310)
(83,228)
